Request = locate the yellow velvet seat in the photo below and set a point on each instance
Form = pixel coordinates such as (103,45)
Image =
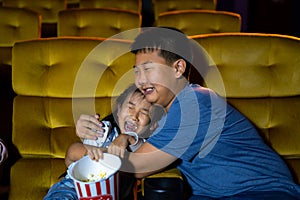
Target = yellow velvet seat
(56,80)
(132,5)
(47,8)
(16,24)
(260,75)
(97,22)
(194,22)
(161,6)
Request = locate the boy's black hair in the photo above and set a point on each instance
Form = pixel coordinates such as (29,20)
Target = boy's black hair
(172,44)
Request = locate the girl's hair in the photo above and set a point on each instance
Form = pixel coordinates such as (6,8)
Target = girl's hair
(171,43)
(129,91)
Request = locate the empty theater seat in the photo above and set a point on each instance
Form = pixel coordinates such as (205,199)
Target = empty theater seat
(97,22)
(194,22)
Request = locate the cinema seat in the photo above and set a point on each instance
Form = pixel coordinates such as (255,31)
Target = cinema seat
(194,22)
(259,74)
(47,8)
(97,22)
(161,6)
(131,5)
(16,24)
(56,80)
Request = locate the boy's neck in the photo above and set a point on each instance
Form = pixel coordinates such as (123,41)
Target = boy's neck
(181,83)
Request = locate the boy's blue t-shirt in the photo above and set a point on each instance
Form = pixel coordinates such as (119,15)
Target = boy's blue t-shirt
(220,151)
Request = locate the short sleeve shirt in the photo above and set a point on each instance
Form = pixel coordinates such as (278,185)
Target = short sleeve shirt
(220,151)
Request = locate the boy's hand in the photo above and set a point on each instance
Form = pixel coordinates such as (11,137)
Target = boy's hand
(89,127)
(119,145)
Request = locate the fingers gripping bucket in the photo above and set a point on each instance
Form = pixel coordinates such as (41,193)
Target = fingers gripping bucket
(104,188)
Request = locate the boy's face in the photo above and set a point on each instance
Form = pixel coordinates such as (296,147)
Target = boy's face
(133,115)
(155,78)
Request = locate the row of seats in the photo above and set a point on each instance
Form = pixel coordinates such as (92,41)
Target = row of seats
(84,22)
(22,24)
(49,9)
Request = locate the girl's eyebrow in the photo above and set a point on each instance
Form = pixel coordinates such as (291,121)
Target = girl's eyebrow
(133,104)
(145,109)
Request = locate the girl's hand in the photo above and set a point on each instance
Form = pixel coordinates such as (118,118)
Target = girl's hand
(89,127)
(95,153)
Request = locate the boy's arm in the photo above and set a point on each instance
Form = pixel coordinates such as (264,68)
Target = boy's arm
(146,160)
(119,145)
(124,141)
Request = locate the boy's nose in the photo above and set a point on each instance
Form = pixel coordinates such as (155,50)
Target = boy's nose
(141,79)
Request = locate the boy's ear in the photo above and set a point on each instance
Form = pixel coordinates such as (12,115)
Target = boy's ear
(180,66)
(153,126)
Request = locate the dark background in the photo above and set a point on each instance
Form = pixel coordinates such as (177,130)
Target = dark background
(263,16)
(266,16)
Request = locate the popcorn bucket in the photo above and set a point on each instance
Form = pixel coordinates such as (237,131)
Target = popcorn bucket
(96,180)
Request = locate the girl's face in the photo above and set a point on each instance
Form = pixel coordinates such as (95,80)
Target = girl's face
(155,78)
(133,114)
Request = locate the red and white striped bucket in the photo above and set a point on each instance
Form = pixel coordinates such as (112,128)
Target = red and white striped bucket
(103,189)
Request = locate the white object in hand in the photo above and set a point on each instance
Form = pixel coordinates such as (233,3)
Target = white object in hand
(100,140)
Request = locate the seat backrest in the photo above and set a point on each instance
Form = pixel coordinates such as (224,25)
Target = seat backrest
(132,5)
(48,8)
(97,22)
(52,75)
(18,24)
(56,80)
(161,6)
(15,24)
(260,75)
(194,22)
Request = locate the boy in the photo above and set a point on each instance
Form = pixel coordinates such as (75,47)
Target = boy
(218,150)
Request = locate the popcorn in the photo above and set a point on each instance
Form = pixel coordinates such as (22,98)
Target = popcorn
(96,180)
(95,177)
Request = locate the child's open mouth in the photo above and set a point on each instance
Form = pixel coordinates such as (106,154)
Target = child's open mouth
(130,127)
